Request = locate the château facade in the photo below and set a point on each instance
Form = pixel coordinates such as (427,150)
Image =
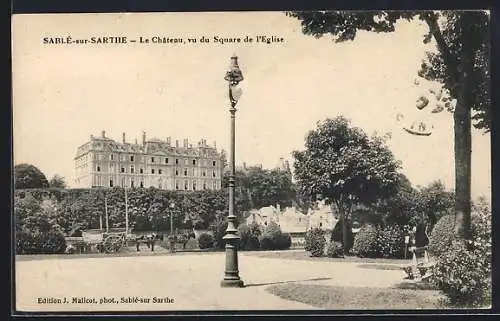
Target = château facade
(104,162)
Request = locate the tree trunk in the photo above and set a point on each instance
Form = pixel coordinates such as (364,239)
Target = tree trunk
(462,123)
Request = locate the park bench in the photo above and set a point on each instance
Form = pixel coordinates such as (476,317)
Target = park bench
(419,270)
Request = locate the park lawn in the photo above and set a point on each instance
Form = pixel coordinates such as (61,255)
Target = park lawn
(362,298)
(303,255)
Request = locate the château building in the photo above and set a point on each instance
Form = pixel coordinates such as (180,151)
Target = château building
(104,162)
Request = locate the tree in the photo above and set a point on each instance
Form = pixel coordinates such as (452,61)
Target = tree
(57,182)
(257,187)
(343,166)
(29,176)
(461,65)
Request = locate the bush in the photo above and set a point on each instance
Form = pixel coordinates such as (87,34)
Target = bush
(267,242)
(337,234)
(283,241)
(218,229)
(25,243)
(366,242)
(442,235)
(205,241)
(315,242)
(335,249)
(249,236)
(391,242)
(463,271)
(272,229)
(51,242)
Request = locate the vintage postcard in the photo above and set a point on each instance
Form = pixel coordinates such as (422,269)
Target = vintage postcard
(316,160)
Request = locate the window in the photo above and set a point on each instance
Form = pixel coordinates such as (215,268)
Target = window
(177,172)
(204,173)
(204,185)
(176,185)
(131,158)
(98,168)
(166,160)
(123,169)
(185,172)
(159,171)
(194,161)
(132,169)
(194,186)
(185,185)
(132,183)
(152,159)
(213,173)
(213,163)
(176,161)
(215,185)
(110,183)
(142,184)
(186,162)
(141,171)
(320,224)
(111,157)
(152,171)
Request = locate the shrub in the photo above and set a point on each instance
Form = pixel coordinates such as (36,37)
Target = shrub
(267,242)
(391,242)
(25,243)
(51,242)
(205,241)
(273,229)
(335,249)
(315,242)
(283,241)
(463,271)
(249,236)
(442,235)
(337,234)
(366,242)
(218,229)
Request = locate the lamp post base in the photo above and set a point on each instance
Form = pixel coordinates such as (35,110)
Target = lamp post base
(237,283)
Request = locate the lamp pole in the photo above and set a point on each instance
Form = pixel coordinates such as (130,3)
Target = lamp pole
(231,274)
(171,236)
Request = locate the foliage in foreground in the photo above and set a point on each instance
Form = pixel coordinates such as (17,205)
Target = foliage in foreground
(463,271)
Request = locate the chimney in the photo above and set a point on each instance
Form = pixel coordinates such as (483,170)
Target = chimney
(123,138)
(185,145)
(143,138)
(91,136)
(177,143)
(136,141)
(168,140)
(103,134)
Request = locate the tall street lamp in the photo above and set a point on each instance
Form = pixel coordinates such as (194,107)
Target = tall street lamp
(171,237)
(231,274)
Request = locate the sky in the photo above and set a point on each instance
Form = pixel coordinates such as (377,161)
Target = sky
(64,93)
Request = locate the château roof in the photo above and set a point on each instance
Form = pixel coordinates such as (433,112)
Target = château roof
(153,146)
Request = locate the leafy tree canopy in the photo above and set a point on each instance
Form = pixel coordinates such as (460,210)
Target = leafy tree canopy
(462,39)
(343,165)
(57,182)
(29,176)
